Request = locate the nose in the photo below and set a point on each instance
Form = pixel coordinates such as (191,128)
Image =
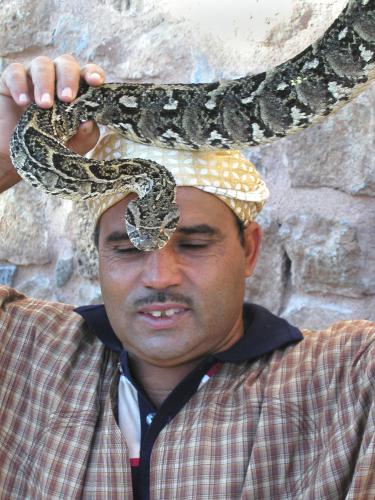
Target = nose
(161,269)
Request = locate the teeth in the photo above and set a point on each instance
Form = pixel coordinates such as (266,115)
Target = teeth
(168,313)
(171,312)
(156,314)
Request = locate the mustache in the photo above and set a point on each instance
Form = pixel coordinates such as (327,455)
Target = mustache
(161,297)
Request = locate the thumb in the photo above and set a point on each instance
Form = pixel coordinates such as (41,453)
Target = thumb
(85,139)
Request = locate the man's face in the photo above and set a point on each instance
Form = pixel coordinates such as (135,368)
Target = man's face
(175,305)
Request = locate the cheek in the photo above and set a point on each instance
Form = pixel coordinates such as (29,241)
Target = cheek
(221,289)
(115,278)
(226,291)
(227,272)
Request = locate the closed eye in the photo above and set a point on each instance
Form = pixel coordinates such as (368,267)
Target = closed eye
(127,250)
(194,246)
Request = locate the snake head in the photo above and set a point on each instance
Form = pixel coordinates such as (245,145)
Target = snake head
(149,230)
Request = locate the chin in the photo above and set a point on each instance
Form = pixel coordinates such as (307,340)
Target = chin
(166,357)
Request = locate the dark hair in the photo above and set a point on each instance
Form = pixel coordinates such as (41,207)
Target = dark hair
(241,229)
(95,236)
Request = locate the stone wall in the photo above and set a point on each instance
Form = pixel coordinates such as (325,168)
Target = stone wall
(318,251)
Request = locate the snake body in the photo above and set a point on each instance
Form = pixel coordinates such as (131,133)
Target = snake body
(229,114)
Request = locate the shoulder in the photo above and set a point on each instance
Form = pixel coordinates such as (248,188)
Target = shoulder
(339,354)
(33,325)
(334,356)
(17,310)
(52,370)
(12,300)
(46,346)
(343,340)
(328,367)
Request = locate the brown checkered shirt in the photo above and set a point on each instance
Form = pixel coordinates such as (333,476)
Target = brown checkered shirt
(295,424)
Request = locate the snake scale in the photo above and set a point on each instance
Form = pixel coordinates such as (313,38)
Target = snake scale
(228,114)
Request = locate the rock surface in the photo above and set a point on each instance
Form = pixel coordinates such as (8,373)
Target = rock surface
(325,255)
(270,271)
(312,156)
(37,286)
(23,226)
(64,270)
(315,314)
(7,272)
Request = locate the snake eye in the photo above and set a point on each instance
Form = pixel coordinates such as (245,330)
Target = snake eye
(149,230)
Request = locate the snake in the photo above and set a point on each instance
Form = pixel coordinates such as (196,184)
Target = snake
(237,113)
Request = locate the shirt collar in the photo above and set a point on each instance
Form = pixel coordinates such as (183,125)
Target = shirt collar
(264,333)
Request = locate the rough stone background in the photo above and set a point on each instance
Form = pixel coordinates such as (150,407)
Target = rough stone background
(318,252)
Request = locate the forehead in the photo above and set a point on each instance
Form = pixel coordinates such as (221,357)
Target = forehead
(196,207)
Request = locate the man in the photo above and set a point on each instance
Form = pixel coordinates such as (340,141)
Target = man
(173,390)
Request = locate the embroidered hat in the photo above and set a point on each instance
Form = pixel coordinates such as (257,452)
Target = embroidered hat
(224,173)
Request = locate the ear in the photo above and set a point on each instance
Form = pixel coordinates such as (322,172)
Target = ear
(252,240)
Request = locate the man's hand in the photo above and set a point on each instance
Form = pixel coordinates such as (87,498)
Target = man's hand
(19,86)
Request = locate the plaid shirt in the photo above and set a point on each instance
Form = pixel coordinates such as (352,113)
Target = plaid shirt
(139,420)
(298,423)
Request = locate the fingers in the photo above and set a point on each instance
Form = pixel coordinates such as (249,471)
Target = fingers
(93,74)
(43,76)
(40,82)
(68,73)
(85,139)
(42,73)
(67,77)
(14,83)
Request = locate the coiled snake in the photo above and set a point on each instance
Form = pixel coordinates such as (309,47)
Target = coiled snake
(230,114)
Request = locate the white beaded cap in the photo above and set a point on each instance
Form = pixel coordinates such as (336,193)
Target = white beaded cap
(224,173)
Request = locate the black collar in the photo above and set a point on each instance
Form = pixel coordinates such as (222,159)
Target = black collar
(264,332)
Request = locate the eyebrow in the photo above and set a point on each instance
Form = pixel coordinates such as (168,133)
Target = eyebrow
(204,229)
(116,236)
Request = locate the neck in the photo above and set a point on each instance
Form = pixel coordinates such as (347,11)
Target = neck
(158,382)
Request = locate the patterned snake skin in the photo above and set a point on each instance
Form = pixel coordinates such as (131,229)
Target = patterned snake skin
(228,114)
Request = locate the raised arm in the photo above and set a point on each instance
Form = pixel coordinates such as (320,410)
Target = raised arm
(41,81)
